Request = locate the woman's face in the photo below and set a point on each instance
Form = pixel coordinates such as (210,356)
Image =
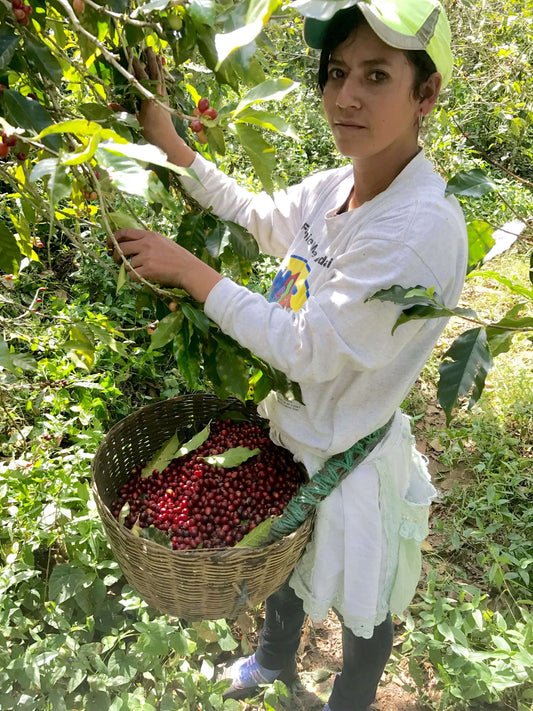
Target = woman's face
(368,99)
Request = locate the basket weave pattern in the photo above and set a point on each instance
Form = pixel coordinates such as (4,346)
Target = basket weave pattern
(192,584)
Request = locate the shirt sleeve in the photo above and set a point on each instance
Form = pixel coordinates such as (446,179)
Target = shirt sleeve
(337,328)
(272,220)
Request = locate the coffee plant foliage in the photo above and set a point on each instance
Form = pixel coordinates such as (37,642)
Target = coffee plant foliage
(81,345)
(77,167)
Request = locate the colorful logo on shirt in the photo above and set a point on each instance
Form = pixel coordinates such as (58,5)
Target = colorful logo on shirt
(290,288)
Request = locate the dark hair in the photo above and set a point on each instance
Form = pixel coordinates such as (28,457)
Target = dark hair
(343,24)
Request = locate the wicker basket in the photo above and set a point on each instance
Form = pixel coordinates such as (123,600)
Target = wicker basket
(192,584)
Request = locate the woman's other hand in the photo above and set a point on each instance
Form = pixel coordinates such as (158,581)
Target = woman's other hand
(155,121)
(158,258)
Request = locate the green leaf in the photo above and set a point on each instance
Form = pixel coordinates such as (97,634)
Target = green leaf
(471,183)
(8,45)
(66,580)
(414,295)
(480,241)
(231,457)
(186,351)
(499,339)
(150,6)
(215,140)
(512,286)
(151,533)
(43,168)
(195,441)
(269,90)
(279,382)
(59,182)
(257,536)
(125,173)
(15,361)
(122,278)
(261,9)
(166,330)
(95,112)
(466,365)
(42,60)
(202,12)
(232,370)
(419,312)
(59,185)
(120,220)
(230,41)
(85,154)
(196,317)
(242,241)
(163,456)
(124,513)
(29,114)
(269,120)
(217,240)
(145,153)
(10,255)
(261,154)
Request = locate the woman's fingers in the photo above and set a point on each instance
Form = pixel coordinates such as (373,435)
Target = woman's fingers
(154,67)
(139,70)
(129,241)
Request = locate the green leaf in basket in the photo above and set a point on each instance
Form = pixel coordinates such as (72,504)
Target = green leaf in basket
(257,535)
(163,457)
(124,513)
(195,441)
(136,528)
(156,535)
(231,457)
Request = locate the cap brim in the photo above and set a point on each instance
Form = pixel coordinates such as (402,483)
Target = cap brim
(315,32)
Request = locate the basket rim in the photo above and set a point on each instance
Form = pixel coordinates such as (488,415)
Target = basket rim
(132,539)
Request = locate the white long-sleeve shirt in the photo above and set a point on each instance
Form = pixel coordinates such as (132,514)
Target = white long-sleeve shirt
(318,327)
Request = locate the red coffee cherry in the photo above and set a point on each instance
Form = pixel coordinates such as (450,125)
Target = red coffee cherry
(9,140)
(211,113)
(197,125)
(203,104)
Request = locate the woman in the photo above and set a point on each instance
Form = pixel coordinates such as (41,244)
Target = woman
(344,234)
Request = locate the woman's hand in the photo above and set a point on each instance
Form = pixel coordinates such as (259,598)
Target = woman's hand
(157,258)
(155,121)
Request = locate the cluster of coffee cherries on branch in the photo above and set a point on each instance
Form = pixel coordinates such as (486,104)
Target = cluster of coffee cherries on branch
(198,505)
(202,109)
(7,144)
(21,11)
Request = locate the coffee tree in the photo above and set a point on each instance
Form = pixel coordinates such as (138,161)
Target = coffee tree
(74,166)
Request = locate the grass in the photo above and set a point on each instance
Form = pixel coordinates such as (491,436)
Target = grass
(472,618)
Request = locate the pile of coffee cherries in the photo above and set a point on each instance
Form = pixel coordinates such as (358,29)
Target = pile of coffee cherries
(201,505)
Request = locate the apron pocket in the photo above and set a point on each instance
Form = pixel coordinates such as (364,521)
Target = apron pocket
(413,529)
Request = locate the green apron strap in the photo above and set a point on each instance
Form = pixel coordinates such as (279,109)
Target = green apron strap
(334,470)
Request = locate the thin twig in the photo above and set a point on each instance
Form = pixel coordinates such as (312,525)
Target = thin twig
(110,57)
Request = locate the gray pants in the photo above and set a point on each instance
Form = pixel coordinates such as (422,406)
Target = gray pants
(363,659)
